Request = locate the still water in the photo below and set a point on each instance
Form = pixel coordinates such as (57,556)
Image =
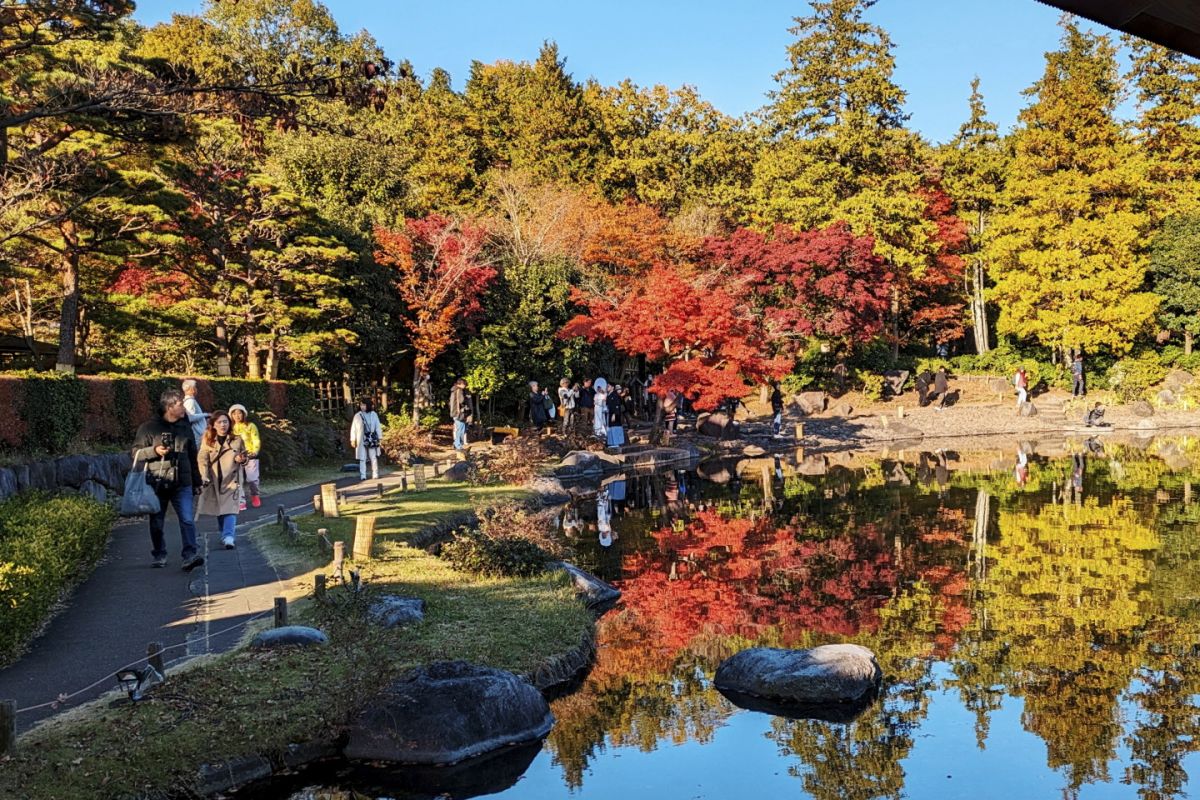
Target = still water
(1035,612)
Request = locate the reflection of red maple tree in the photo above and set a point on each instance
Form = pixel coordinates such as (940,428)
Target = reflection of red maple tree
(743,577)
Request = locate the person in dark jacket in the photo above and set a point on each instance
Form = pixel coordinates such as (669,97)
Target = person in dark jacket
(460,410)
(537,406)
(586,403)
(776,409)
(166,446)
(941,387)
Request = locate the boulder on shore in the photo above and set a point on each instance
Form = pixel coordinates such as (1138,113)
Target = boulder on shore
(447,712)
(1028,409)
(578,464)
(1142,409)
(594,592)
(459,471)
(392,610)
(288,636)
(810,403)
(717,425)
(832,673)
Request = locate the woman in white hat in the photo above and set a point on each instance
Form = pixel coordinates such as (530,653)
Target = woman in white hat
(247,431)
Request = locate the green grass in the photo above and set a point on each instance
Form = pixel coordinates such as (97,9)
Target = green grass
(247,702)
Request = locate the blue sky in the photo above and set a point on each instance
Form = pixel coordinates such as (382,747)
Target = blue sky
(730,54)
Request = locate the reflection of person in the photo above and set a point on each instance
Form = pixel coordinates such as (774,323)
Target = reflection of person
(604,518)
(1021,473)
(1079,461)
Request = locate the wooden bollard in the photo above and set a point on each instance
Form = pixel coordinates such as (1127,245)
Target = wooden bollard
(339,556)
(899,412)
(799,430)
(329,501)
(364,537)
(317,503)
(281,515)
(419,478)
(319,587)
(8,727)
(280,612)
(323,537)
(154,658)
(379,490)
(404,481)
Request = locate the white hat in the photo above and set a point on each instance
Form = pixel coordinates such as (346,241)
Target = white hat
(239,407)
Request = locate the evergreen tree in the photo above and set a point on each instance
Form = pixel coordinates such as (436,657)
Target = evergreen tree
(973,170)
(1068,248)
(1175,264)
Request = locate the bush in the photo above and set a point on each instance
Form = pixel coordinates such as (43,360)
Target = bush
(48,543)
(403,442)
(872,384)
(280,450)
(1131,378)
(53,411)
(474,551)
(514,461)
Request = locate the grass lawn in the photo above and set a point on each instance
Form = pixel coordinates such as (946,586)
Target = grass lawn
(259,702)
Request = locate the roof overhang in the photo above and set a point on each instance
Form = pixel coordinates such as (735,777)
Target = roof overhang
(1173,23)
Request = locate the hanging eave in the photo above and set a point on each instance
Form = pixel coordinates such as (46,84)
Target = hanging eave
(1173,23)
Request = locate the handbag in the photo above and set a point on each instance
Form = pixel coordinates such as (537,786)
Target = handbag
(370,436)
(139,497)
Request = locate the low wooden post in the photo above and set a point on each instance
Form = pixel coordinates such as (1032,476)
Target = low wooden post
(329,503)
(281,515)
(404,481)
(379,490)
(364,537)
(8,727)
(154,652)
(419,484)
(799,430)
(339,556)
(323,536)
(317,503)
(319,587)
(280,612)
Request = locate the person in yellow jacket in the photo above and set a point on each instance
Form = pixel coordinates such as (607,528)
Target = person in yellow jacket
(247,431)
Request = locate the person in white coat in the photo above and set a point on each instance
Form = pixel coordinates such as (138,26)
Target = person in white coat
(600,410)
(366,432)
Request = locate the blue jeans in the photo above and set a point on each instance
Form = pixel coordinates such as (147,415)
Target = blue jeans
(460,434)
(227,523)
(182,499)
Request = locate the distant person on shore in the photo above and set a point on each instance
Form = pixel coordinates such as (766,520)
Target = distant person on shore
(1021,381)
(671,410)
(247,431)
(586,402)
(922,385)
(568,396)
(600,410)
(165,445)
(776,409)
(366,434)
(1094,418)
(195,414)
(537,407)
(615,403)
(222,456)
(941,387)
(1078,388)
(460,412)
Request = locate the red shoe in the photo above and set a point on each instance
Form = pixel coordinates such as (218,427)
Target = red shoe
(255,501)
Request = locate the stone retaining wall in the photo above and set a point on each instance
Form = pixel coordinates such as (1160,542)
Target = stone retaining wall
(94,475)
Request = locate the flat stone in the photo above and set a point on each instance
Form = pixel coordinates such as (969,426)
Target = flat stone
(391,610)
(594,592)
(447,712)
(843,409)
(834,673)
(579,463)
(288,636)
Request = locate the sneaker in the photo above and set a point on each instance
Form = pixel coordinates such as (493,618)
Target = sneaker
(241,506)
(190,564)
(159,562)
(255,501)
(229,545)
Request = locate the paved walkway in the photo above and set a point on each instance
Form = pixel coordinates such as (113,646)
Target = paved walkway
(126,603)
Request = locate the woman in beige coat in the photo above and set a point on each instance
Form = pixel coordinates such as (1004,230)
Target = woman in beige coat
(221,458)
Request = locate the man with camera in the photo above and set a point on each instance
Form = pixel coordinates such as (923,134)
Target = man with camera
(165,446)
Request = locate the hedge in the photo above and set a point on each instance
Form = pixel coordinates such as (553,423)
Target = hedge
(53,413)
(48,544)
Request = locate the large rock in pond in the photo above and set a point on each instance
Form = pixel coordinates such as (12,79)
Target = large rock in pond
(578,464)
(832,673)
(594,592)
(717,425)
(391,610)
(447,712)
(288,636)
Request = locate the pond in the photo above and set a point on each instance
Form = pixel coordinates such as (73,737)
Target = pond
(1036,612)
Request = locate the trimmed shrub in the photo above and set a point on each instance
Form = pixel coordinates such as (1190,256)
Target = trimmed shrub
(474,551)
(280,446)
(1131,378)
(54,409)
(48,543)
(403,442)
(12,399)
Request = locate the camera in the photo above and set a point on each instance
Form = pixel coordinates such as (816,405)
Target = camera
(168,440)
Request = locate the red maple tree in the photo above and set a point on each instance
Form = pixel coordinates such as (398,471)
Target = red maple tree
(441,275)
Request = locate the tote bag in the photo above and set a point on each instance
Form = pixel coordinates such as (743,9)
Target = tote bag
(139,497)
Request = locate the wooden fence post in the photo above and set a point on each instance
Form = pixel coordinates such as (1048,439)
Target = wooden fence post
(339,556)
(280,612)
(8,727)
(379,490)
(419,477)
(799,430)
(317,503)
(154,652)
(329,503)
(364,537)
(319,587)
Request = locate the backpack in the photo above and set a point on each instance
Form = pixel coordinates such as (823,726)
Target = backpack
(370,436)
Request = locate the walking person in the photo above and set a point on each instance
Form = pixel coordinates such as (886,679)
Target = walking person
(366,433)
(1078,388)
(568,395)
(615,403)
(247,431)
(1021,381)
(165,445)
(222,457)
(460,412)
(537,407)
(776,409)
(941,386)
(195,414)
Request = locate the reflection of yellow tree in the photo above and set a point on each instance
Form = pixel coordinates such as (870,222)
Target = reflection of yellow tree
(1070,584)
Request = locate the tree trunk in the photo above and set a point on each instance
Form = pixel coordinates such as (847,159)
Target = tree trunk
(224,362)
(1187,343)
(895,324)
(273,357)
(69,315)
(979,310)
(253,356)
(416,406)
